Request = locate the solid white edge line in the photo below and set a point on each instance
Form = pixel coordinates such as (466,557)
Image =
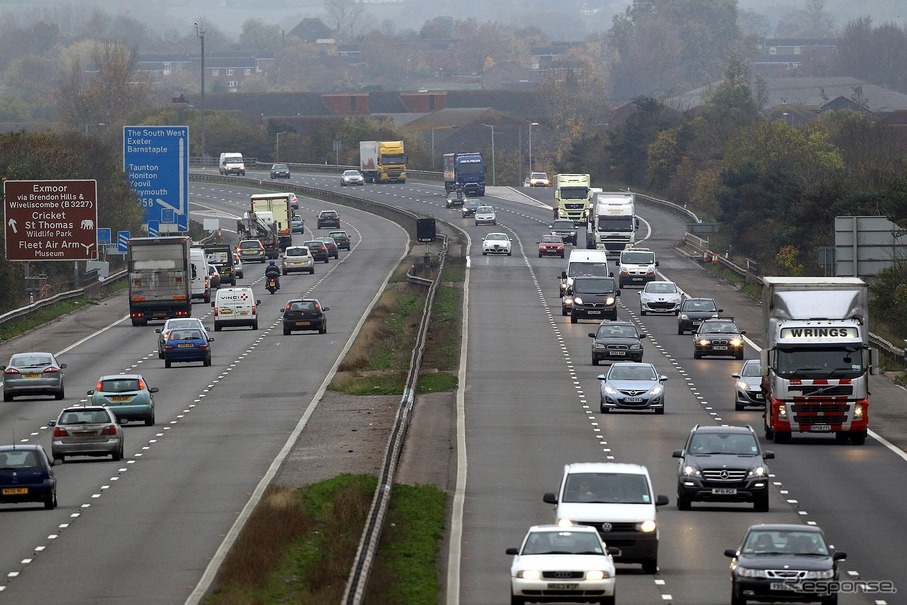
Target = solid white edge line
(220,555)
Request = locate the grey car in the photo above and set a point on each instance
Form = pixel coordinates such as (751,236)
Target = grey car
(748,385)
(87,431)
(632,386)
(30,374)
(693,311)
(616,341)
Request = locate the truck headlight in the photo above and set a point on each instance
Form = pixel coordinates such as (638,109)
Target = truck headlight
(858,411)
(782,411)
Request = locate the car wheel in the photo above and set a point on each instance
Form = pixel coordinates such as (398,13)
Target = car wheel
(166,363)
(207,298)
(51,502)
(286,332)
(769,432)
(562,256)
(61,458)
(484,253)
(7,396)
(782,436)
(739,406)
(284,272)
(830,600)
(509,254)
(683,503)
(697,355)
(217,327)
(255,325)
(515,600)
(641,312)
(608,600)
(736,597)
(208,360)
(650,566)
(118,455)
(594,361)
(323,329)
(312,271)
(59,394)
(564,311)
(760,505)
(739,355)
(660,410)
(150,421)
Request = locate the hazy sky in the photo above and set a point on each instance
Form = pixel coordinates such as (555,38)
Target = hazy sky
(559,19)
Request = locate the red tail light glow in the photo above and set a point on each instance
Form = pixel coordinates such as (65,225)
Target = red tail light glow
(60,432)
(99,386)
(142,384)
(110,429)
(11,371)
(51,370)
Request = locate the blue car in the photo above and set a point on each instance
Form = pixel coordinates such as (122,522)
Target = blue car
(184,345)
(27,475)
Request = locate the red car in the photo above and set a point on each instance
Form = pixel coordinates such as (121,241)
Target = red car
(551,245)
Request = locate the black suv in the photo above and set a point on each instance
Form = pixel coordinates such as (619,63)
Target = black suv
(693,311)
(280,171)
(722,464)
(566,229)
(616,340)
(592,298)
(328,218)
(718,336)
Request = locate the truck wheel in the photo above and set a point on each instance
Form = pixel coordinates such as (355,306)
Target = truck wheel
(858,437)
(782,436)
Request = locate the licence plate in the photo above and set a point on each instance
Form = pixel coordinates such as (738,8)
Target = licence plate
(83,434)
(719,348)
(185,345)
(633,400)
(782,586)
(120,398)
(243,312)
(31,376)
(724,491)
(15,491)
(226,312)
(594,312)
(563,585)
(618,353)
(820,428)
(303,323)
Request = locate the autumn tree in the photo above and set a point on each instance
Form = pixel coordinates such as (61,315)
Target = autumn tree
(346,17)
(256,36)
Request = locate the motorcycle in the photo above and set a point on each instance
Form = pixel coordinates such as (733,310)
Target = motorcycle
(273,285)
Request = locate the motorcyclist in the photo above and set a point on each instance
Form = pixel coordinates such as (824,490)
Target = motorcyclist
(272,271)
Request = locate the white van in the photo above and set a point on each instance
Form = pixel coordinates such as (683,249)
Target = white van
(235,307)
(585,262)
(636,267)
(232,163)
(616,499)
(201,284)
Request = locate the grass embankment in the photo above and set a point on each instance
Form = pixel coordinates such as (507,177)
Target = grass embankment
(299,545)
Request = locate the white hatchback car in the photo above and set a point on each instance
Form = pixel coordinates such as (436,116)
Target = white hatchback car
(485,216)
(660,297)
(570,562)
(297,258)
(496,243)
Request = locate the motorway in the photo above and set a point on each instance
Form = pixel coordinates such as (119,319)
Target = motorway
(143,530)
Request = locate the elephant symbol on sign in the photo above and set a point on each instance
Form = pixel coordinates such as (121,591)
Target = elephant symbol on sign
(87,223)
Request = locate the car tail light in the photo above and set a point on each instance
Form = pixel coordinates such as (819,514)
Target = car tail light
(216,311)
(203,347)
(99,386)
(110,429)
(142,386)
(254,309)
(51,370)
(168,347)
(11,371)
(317,306)
(59,431)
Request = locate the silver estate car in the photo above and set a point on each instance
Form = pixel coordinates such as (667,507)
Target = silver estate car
(87,430)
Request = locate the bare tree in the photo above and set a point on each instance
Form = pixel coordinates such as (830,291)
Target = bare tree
(345,17)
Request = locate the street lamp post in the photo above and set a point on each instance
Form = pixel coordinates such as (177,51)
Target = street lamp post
(493,180)
(433,141)
(201,34)
(277,146)
(531,124)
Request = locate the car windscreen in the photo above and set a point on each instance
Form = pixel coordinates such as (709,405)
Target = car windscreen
(636,372)
(660,288)
(704,443)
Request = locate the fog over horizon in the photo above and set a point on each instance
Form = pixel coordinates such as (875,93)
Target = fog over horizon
(566,20)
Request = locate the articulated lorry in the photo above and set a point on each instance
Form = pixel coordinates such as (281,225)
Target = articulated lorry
(614,223)
(817,360)
(571,197)
(382,161)
(160,278)
(268,221)
(466,172)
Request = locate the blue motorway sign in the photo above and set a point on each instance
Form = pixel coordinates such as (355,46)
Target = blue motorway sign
(122,240)
(104,236)
(156,161)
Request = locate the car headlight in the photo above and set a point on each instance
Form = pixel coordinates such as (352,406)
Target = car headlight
(703,342)
(746,572)
(657,390)
(736,342)
(691,471)
(599,346)
(647,526)
(823,574)
(597,574)
(635,347)
(577,300)
(529,574)
(609,389)
(759,471)
(742,386)
(684,316)
(610,301)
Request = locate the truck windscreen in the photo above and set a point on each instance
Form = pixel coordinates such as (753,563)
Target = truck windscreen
(615,223)
(573,193)
(812,363)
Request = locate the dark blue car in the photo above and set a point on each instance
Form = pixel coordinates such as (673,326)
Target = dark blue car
(27,475)
(187,345)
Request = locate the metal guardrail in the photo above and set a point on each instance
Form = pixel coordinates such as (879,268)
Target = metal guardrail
(46,302)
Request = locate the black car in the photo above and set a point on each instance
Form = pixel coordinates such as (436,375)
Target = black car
(722,464)
(784,563)
(693,311)
(27,475)
(304,314)
(719,336)
(328,218)
(318,249)
(616,340)
(566,229)
(469,207)
(280,171)
(331,244)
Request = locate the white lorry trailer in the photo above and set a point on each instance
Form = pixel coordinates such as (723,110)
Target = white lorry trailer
(614,223)
(817,360)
